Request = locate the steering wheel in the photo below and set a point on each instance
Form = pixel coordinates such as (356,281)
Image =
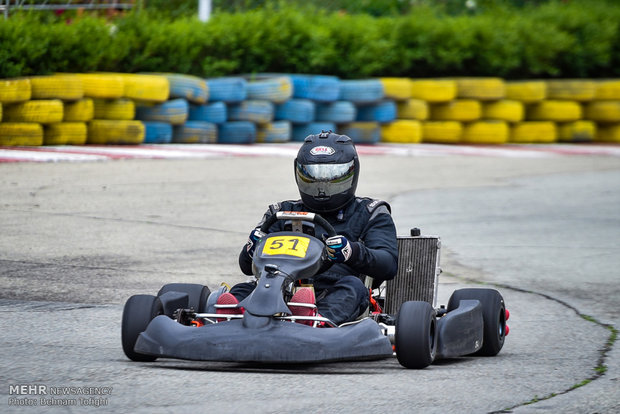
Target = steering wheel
(298,216)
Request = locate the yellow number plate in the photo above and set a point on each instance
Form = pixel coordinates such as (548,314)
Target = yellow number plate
(287,245)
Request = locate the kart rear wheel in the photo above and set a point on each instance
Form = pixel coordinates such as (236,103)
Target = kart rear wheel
(493,313)
(139,311)
(415,335)
(198,294)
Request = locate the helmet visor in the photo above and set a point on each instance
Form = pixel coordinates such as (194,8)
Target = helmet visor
(325,180)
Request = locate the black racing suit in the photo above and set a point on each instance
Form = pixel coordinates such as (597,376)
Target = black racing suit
(341,294)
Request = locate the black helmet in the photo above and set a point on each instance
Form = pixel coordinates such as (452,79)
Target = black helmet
(326,171)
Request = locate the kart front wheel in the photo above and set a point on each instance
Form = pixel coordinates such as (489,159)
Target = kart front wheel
(415,335)
(493,314)
(139,311)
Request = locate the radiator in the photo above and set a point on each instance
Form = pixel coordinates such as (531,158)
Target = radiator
(418,271)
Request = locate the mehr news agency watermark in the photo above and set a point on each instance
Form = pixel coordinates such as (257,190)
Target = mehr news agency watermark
(42,395)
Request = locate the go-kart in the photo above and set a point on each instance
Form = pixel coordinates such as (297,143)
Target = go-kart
(183,321)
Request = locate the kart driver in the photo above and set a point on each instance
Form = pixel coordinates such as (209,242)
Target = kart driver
(326,172)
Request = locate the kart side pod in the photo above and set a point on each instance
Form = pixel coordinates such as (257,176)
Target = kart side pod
(460,331)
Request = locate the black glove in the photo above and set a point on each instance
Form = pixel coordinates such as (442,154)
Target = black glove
(255,236)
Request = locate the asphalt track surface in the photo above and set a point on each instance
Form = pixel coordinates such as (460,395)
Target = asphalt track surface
(79,238)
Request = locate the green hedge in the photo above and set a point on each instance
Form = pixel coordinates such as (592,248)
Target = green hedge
(555,39)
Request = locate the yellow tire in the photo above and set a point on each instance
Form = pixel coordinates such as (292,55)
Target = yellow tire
(448,132)
(115,132)
(433,90)
(0,112)
(79,111)
(121,109)
(402,131)
(571,89)
(398,89)
(20,134)
(558,111)
(15,90)
(149,88)
(412,109)
(464,110)
(65,133)
(578,131)
(65,87)
(602,111)
(608,90)
(102,85)
(484,89)
(526,91)
(533,132)
(485,132)
(503,110)
(605,133)
(42,112)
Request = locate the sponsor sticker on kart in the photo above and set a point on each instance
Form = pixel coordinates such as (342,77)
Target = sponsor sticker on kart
(286,245)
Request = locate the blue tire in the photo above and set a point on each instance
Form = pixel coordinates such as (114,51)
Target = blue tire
(300,132)
(231,89)
(339,112)
(174,112)
(239,132)
(192,88)
(298,111)
(259,112)
(278,89)
(361,91)
(215,112)
(362,132)
(274,132)
(195,132)
(318,88)
(157,132)
(384,111)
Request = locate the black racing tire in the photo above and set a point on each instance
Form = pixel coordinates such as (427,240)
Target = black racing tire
(493,313)
(139,311)
(416,335)
(198,294)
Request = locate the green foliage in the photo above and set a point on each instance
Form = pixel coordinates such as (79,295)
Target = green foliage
(554,39)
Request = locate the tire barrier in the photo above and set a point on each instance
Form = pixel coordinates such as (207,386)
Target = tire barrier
(300,132)
(65,133)
(298,111)
(533,132)
(216,112)
(15,90)
(40,111)
(361,91)
(402,131)
(174,112)
(45,109)
(237,132)
(277,89)
(231,89)
(102,85)
(319,88)
(338,112)
(381,112)
(157,132)
(122,109)
(577,131)
(64,87)
(274,132)
(20,134)
(82,110)
(486,132)
(104,131)
(413,109)
(398,89)
(260,112)
(362,132)
(195,132)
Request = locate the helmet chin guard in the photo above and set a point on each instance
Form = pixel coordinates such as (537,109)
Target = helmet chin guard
(327,171)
